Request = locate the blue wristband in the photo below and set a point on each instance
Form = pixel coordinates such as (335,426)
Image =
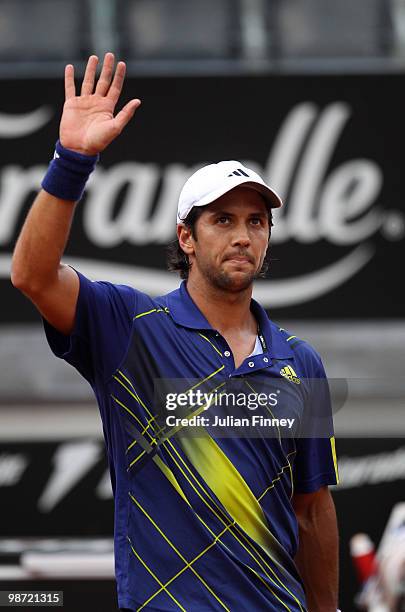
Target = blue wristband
(68,173)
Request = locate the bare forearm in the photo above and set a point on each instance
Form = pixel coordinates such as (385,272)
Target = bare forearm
(317,557)
(87,127)
(42,242)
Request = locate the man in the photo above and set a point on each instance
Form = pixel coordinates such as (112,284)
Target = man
(207,522)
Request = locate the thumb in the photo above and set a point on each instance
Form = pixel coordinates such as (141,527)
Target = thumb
(126,114)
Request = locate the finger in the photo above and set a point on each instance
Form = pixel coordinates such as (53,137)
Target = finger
(70,89)
(118,81)
(126,114)
(106,74)
(89,75)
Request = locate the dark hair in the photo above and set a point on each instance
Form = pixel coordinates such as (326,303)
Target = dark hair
(177,259)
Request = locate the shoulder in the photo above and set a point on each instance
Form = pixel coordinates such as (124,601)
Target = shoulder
(301,350)
(105,293)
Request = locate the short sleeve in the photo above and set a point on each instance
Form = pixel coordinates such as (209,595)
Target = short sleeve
(100,337)
(315,462)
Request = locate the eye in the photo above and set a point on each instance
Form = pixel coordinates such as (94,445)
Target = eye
(256,221)
(223,219)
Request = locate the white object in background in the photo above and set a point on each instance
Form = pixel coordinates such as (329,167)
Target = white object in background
(68,565)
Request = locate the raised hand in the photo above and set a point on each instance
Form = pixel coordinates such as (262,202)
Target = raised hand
(88,124)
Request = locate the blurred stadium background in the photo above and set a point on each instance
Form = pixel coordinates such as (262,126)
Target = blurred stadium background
(312,93)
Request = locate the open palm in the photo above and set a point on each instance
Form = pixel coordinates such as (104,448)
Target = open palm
(88,124)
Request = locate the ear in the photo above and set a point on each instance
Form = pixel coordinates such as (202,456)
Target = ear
(185,239)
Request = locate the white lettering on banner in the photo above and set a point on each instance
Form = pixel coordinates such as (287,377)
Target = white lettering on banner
(132,221)
(303,216)
(322,207)
(174,177)
(14,126)
(286,149)
(15,185)
(104,488)
(371,469)
(12,467)
(339,207)
(347,195)
(72,461)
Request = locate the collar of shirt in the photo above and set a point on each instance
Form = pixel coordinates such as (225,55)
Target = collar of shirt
(186,313)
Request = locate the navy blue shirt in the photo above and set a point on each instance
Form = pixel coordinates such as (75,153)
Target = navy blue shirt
(201,523)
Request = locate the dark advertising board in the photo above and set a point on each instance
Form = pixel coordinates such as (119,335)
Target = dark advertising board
(61,489)
(331,146)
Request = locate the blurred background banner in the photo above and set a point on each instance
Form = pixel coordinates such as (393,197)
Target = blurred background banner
(328,144)
(309,93)
(56,497)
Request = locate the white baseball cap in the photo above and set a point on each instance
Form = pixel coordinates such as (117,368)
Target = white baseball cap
(212,181)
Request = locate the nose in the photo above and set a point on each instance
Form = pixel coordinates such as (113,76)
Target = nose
(241,236)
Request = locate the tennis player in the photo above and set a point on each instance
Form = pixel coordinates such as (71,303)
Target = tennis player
(204,522)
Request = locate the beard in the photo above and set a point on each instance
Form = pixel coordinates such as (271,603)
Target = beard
(229,281)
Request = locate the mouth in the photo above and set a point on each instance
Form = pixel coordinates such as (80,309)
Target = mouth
(240,259)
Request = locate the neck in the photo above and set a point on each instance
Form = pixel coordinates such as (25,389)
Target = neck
(224,310)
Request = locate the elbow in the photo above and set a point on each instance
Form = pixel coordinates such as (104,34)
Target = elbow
(17,278)
(19,275)
(21,284)
(22,281)
(30,284)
